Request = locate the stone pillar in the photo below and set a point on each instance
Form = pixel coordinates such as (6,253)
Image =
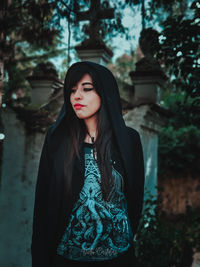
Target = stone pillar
(147,116)
(98,53)
(43,82)
(147,121)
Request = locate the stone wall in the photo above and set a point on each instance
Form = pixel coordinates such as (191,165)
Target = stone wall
(178,193)
(21,154)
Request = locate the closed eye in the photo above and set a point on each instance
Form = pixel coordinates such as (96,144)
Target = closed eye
(85,89)
(88,89)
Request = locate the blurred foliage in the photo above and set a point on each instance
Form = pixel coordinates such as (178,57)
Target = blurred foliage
(179,140)
(178,50)
(179,150)
(31,20)
(123,66)
(182,113)
(30,33)
(167,241)
(180,45)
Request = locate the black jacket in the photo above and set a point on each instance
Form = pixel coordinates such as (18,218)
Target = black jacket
(52,205)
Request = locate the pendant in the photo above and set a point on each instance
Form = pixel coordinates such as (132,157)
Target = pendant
(94,154)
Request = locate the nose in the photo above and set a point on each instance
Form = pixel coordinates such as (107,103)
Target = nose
(78,94)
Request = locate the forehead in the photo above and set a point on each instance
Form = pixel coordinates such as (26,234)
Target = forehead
(85,78)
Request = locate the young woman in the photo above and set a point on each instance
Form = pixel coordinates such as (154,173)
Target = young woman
(90,184)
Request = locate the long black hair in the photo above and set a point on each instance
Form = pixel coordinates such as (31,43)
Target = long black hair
(77,131)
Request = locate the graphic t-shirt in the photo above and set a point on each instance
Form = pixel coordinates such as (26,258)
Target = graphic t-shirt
(97,229)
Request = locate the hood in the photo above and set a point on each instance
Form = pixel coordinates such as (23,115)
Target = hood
(110,96)
(109,90)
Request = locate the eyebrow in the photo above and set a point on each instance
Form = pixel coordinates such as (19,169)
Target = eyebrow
(87,83)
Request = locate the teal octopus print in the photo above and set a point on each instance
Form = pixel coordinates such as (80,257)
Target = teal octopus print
(97,230)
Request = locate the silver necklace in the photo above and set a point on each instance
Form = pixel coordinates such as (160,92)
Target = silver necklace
(92,138)
(94,149)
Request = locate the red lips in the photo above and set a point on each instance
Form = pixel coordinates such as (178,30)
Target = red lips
(78,106)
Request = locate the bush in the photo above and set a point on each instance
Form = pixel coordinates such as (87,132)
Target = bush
(179,140)
(167,242)
(179,150)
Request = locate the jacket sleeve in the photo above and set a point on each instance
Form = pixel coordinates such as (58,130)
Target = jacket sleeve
(39,244)
(137,194)
(139,169)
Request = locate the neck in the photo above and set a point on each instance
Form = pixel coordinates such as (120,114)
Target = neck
(91,125)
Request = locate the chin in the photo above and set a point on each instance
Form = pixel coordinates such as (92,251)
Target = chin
(85,116)
(80,116)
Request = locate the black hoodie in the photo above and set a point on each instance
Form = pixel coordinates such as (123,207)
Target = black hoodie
(52,204)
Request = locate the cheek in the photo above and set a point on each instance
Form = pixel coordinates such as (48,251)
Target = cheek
(99,103)
(96,103)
